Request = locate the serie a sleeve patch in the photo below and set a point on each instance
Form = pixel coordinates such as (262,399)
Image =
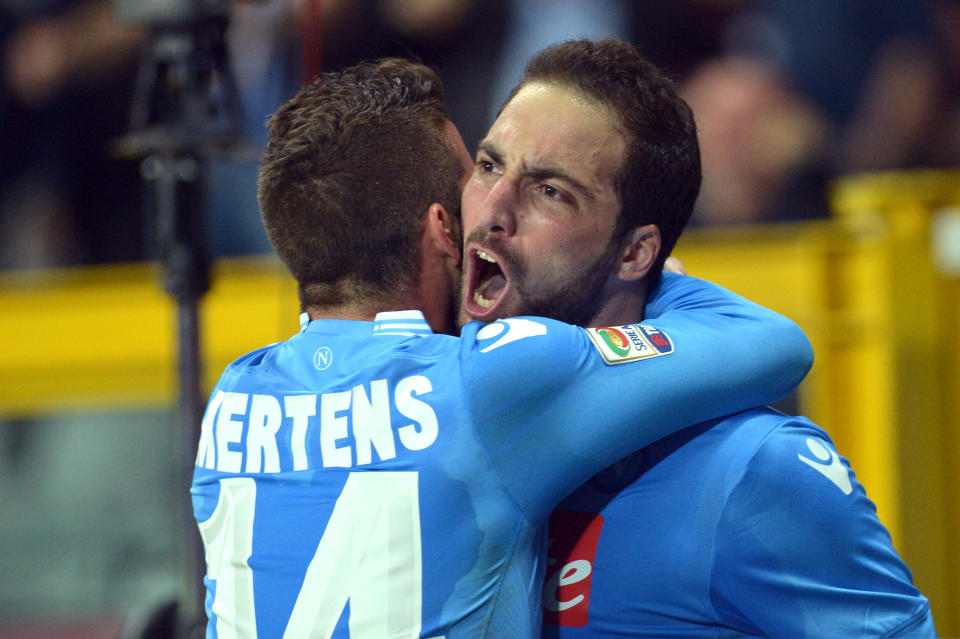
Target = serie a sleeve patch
(620,344)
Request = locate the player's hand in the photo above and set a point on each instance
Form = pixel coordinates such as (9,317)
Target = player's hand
(674,265)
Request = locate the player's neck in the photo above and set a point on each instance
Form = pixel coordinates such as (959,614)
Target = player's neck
(437,314)
(622,303)
(340,311)
(363,312)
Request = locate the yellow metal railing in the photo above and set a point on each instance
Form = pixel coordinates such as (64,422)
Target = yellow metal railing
(824,277)
(920,290)
(879,296)
(103,337)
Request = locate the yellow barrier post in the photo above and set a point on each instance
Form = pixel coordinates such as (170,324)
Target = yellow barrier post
(829,281)
(922,298)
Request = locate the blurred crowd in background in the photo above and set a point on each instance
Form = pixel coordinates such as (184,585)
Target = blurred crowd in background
(788,94)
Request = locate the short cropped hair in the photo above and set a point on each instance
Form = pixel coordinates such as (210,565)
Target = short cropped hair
(660,177)
(351,164)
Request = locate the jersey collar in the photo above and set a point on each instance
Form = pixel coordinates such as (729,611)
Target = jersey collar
(406,323)
(401,323)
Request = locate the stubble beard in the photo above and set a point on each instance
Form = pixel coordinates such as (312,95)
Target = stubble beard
(575,300)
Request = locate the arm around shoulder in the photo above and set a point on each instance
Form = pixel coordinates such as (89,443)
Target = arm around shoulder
(760,354)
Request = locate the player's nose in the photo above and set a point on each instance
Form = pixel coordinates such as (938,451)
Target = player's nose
(498,209)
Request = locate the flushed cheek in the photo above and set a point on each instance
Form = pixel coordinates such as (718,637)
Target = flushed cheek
(570,249)
(551,268)
(472,198)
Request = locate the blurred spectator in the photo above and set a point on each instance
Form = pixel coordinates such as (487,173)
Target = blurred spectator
(264,56)
(942,143)
(533,25)
(884,72)
(759,141)
(63,199)
(68,73)
(804,91)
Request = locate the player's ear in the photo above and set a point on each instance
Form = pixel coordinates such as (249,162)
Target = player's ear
(442,231)
(638,252)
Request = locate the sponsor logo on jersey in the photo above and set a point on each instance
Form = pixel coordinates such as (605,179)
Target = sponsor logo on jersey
(573,547)
(509,330)
(657,338)
(619,344)
(829,464)
(615,339)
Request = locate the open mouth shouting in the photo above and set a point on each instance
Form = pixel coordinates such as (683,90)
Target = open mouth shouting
(487,283)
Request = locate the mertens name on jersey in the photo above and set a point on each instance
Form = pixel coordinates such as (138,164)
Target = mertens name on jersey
(253,433)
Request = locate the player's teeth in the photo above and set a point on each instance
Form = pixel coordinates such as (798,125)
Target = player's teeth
(481,300)
(483,255)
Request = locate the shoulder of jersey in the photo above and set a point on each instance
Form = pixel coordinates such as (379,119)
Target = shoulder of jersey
(731,446)
(797,452)
(254,357)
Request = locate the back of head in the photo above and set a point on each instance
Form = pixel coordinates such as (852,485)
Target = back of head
(351,164)
(660,178)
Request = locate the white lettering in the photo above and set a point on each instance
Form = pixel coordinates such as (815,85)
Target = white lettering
(334,428)
(264,423)
(411,437)
(571,573)
(230,431)
(357,427)
(371,423)
(299,408)
(206,451)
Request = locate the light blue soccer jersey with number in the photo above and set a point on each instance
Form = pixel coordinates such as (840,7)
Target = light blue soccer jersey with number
(372,479)
(748,526)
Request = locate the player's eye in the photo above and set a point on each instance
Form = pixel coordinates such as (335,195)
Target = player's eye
(553,193)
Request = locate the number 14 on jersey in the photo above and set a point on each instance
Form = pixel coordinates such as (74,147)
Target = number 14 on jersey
(369,554)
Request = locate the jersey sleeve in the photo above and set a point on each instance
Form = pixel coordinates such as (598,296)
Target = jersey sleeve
(799,550)
(553,404)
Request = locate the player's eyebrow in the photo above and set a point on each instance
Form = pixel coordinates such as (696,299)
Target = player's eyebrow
(490,149)
(539,172)
(547,172)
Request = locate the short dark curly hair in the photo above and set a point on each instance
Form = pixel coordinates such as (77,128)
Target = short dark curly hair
(351,164)
(660,177)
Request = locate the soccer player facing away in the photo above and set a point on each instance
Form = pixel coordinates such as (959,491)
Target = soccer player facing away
(370,478)
(745,526)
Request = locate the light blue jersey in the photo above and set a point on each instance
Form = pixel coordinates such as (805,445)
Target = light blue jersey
(373,480)
(748,526)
